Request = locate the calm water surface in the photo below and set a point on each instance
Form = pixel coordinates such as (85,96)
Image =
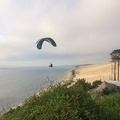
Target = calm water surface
(17,84)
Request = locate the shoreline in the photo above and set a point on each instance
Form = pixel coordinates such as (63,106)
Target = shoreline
(8,107)
(90,72)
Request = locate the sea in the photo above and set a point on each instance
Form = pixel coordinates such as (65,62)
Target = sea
(18,84)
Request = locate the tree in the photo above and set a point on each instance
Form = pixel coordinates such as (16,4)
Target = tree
(115,56)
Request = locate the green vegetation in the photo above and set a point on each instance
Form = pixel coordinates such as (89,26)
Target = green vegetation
(108,91)
(96,83)
(110,107)
(62,103)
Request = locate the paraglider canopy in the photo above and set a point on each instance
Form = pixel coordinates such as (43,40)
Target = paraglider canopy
(48,39)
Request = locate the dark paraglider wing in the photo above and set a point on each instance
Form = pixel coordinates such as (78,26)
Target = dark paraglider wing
(50,40)
(40,42)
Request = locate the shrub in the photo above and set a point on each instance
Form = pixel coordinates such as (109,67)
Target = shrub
(108,91)
(110,107)
(62,103)
(83,84)
(96,83)
(58,103)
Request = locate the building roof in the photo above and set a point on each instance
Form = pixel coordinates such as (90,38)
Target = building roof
(117,83)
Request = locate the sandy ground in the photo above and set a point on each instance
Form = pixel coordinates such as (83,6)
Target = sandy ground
(93,72)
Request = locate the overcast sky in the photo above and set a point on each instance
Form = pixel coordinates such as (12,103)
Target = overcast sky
(86,31)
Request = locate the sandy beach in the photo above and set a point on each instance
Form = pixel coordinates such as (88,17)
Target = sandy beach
(93,72)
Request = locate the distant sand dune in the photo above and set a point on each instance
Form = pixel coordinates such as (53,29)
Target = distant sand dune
(94,72)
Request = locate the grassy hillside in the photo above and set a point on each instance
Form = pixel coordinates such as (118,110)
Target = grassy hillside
(62,103)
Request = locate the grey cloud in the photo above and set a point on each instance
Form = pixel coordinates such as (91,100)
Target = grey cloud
(82,29)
